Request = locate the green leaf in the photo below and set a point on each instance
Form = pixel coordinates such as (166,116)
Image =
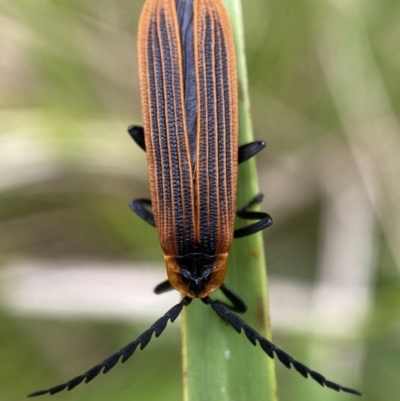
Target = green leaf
(219,364)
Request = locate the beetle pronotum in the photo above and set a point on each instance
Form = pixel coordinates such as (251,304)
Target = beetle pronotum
(190,114)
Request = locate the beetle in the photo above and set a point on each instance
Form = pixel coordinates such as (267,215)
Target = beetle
(190,111)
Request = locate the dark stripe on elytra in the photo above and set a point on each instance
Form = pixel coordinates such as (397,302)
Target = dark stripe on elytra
(228,130)
(202,185)
(204,151)
(171,140)
(212,132)
(153,61)
(184,186)
(222,139)
(184,11)
(162,143)
(185,161)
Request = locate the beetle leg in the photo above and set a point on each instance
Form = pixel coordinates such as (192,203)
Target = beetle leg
(238,304)
(265,220)
(256,200)
(247,151)
(165,286)
(137,134)
(139,207)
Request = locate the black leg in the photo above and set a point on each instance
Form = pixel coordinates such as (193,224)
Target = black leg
(238,324)
(238,304)
(140,207)
(125,353)
(137,134)
(247,151)
(165,286)
(265,219)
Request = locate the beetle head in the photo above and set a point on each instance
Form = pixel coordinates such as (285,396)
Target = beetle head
(196,274)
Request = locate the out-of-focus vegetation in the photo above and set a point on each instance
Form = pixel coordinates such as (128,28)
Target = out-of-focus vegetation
(324,80)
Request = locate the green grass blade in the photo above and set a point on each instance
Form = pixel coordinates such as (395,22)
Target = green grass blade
(219,364)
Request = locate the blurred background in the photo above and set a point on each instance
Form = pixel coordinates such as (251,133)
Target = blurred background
(78,267)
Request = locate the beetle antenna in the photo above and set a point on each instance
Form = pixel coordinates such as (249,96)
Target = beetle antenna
(238,324)
(157,328)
